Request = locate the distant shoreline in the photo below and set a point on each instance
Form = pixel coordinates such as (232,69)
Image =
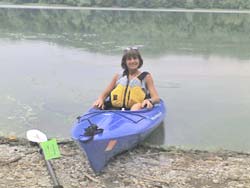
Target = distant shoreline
(62,7)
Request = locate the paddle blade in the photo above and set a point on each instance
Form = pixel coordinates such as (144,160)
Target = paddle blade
(50,149)
(36,136)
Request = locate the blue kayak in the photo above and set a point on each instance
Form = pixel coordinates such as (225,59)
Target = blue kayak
(103,134)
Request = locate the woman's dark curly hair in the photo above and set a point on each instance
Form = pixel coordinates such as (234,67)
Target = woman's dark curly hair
(131,53)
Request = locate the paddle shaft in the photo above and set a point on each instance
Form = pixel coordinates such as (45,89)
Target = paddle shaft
(52,174)
(51,171)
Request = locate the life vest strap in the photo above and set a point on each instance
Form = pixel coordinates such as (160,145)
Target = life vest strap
(142,75)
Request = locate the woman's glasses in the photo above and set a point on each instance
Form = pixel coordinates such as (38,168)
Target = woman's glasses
(131,48)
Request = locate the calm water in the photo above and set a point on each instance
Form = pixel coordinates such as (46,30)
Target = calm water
(54,64)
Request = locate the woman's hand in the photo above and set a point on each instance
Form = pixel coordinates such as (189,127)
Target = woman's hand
(99,103)
(147,103)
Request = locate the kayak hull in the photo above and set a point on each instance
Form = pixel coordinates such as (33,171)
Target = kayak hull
(122,130)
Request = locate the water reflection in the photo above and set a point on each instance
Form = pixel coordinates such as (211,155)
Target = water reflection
(157,137)
(108,31)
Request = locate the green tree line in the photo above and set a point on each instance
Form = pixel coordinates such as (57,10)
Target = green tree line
(190,4)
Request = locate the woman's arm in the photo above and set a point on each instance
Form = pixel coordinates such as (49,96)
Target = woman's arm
(99,103)
(153,93)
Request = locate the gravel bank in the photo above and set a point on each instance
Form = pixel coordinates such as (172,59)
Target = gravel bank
(23,166)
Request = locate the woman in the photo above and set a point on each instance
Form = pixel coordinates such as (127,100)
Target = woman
(132,89)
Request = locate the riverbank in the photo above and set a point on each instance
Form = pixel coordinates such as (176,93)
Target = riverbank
(144,166)
(63,7)
(188,4)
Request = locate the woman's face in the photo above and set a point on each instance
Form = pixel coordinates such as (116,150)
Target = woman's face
(133,63)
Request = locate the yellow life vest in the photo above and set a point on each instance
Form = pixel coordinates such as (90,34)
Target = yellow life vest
(127,93)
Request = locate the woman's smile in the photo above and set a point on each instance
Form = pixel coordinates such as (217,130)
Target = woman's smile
(133,63)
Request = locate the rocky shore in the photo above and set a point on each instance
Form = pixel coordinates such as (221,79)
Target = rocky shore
(23,166)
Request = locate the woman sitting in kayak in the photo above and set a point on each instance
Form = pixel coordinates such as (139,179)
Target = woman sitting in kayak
(132,89)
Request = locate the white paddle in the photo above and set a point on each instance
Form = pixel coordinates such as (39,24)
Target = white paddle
(37,136)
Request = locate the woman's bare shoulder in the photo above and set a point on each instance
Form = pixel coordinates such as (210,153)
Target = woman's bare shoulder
(149,76)
(116,76)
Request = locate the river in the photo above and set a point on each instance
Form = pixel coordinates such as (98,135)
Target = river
(54,64)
